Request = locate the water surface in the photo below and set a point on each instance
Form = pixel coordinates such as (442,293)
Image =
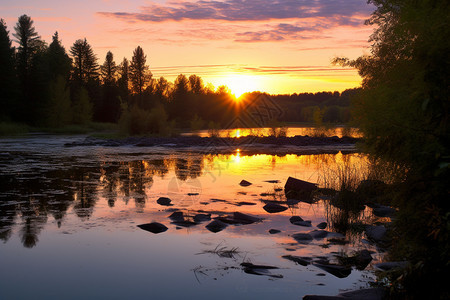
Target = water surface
(69,216)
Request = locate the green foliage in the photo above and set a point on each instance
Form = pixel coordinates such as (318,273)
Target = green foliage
(197,123)
(8,79)
(9,128)
(85,66)
(81,108)
(139,72)
(403,112)
(58,112)
(137,121)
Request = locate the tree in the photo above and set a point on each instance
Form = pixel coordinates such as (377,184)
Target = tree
(8,80)
(139,71)
(403,111)
(108,69)
(60,63)
(28,40)
(85,62)
(58,113)
(82,108)
(109,108)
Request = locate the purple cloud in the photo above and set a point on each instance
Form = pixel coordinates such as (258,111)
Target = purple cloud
(245,10)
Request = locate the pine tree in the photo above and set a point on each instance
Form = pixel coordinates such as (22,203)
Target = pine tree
(85,62)
(60,63)
(139,71)
(8,79)
(108,69)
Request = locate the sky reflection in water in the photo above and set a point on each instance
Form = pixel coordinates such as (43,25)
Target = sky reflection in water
(69,216)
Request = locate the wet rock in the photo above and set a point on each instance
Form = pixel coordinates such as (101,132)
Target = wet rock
(386,266)
(192,194)
(245,183)
(274,231)
(366,294)
(245,219)
(383,211)
(359,259)
(202,217)
(216,226)
(184,223)
(291,201)
(302,237)
(153,227)
(319,234)
(242,203)
(295,219)
(274,208)
(304,261)
(299,187)
(303,223)
(177,216)
(272,181)
(376,233)
(164,201)
(322,225)
(336,270)
(263,270)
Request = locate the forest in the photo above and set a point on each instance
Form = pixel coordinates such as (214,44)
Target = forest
(46,86)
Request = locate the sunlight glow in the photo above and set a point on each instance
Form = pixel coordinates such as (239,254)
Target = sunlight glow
(240,84)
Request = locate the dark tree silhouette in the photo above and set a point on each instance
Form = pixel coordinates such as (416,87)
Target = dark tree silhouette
(60,63)
(108,69)
(28,40)
(85,62)
(139,71)
(8,81)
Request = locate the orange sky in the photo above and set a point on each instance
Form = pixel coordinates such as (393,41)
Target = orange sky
(279,46)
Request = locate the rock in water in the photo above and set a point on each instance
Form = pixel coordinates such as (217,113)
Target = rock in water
(153,227)
(216,226)
(299,188)
(295,219)
(164,201)
(274,208)
(245,183)
(322,225)
(177,216)
(302,237)
(245,219)
(274,231)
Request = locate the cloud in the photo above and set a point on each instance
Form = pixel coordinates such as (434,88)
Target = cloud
(245,10)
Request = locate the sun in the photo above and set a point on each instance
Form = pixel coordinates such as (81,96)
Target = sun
(240,84)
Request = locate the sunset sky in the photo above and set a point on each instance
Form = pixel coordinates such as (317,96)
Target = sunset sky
(272,46)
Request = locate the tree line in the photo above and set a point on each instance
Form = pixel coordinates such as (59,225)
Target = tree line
(46,86)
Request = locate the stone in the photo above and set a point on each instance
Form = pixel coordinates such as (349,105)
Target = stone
(177,216)
(299,187)
(322,225)
(153,227)
(302,237)
(298,260)
(295,219)
(336,270)
(303,223)
(245,183)
(164,201)
(274,231)
(202,217)
(274,208)
(319,234)
(216,226)
(245,219)
(376,233)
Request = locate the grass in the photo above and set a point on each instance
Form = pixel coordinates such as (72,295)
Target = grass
(11,129)
(223,251)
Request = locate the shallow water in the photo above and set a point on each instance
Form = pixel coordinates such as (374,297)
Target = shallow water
(288,131)
(69,216)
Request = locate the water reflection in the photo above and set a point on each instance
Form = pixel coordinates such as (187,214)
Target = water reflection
(195,182)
